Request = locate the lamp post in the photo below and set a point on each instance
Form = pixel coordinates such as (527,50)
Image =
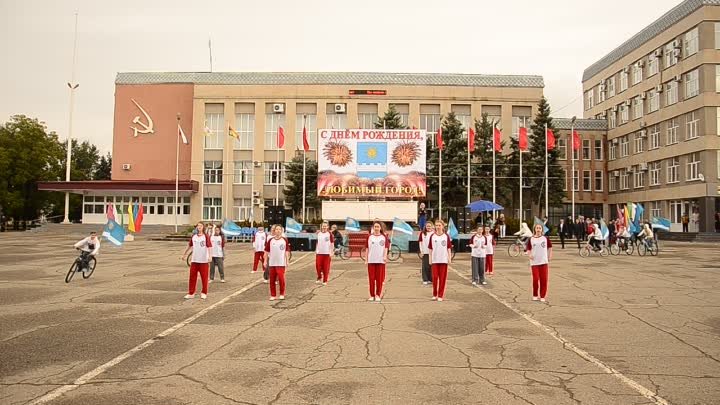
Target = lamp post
(73,86)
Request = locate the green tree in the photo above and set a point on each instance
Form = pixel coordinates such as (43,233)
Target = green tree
(483,163)
(294,184)
(536,162)
(104,168)
(28,154)
(391,120)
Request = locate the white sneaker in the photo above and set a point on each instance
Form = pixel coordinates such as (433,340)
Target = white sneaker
(535,298)
(434,298)
(426,282)
(484,283)
(189,296)
(272,298)
(474,283)
(318,281)
(203,296)
(378,299)
(371,299)
(265,281)
(210,281)
(440,299)
(282,297)
(222,280)
(542,300)
(324,283)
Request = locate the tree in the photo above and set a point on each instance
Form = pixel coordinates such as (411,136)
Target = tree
(536,162)
(294,184)
(391,120)
(483,162)
(104,168)
(28,154)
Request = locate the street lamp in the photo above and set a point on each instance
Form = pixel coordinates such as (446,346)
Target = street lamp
(72,86)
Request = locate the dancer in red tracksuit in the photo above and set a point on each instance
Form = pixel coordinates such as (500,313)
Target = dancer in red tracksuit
(539,250)
(490,250)
(325,245)
(258,241)
(201,257)
(440,247)
(276,260)
(376,256)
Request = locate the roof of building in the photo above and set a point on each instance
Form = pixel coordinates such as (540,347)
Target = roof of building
(666,21)
(330,78)
(119,185)
(581,124)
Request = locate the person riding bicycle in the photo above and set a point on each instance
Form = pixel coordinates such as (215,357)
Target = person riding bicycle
(89,245)
(646,234)
(524,234)
(338,238)
(623,236)
(596,237)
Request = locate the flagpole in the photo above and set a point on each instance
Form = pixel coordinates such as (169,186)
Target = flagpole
(547,151)
(73,86)
(468,171)
(277,181)
(521,204)
(304,160)
(572,159)
(493,172)
(177,171)
(440,184)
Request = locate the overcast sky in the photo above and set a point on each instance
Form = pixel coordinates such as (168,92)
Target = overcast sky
(555,39)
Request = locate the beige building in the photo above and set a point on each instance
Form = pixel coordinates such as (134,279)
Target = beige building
(658,92)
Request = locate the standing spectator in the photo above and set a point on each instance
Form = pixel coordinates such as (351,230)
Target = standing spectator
(422,216)
(695,219)
(562,232)
(479,219)
(539,249)
(685,220)
(477,256)
(423,240)
(579,231)
(491,241)
(501,222)
(570,227)
(218,254)
(337,238)
(611,232)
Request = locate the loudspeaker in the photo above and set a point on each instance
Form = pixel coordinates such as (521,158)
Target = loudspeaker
(275,215)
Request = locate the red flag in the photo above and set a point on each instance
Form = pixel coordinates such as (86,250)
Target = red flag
(576,140)
(522,138)
(498,144)
(550,140)
(306,143)
(139,219)
(438,139)
(281,137)
(471,140)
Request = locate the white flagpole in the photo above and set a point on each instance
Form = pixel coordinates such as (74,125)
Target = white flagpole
(547,151)
(177,171)
(520,152)
(277,162)
(493,172)
(304,160)
(468,170)
(572,170)
(440,184)
(73,86)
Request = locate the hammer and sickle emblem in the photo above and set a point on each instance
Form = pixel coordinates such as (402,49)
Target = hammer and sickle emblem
(146,128)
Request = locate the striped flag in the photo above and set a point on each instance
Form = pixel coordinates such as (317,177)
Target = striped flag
(114,233)
(352,225)
(292,226)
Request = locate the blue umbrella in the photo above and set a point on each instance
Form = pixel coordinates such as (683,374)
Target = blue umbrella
(483,206)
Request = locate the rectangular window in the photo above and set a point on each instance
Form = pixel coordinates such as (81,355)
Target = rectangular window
(672,170)
(717,78)
(612,119)
(586,149)
(598,180)
(562,148)
(611,87)
(244,126)
(589,99)
(367,115)
(624,146)
(671,92)
(521,118)
(676,211)
(586,180)
(624,113)
(213,172)
(692,84)
(612,180)
(598,149)
(212,209)
(636,73)
(654,104)
(655,209)
(653,65)
(430,120)
(576,180)
(462,113)
(612,149)
(691,121)
(691,42)
(654,168)
(274,173)
(623,80)
(693,167)
(404,112)
(242,209)
(242,173)
(717,35)
(638,106)
(639,142)
(654,137)
(273,121)
(214,126)
(639,178)
(624,180)
(672,135)
(671,57)
(602,92)
(310,123)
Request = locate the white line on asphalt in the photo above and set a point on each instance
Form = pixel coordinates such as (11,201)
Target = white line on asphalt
(580,352)
(104,367)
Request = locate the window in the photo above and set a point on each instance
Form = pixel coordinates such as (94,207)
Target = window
(612,149)
(404,111)
(611,87)
(624,146)
(638,105)
(336,121)
(243,171)
(367,115)
(639,178)
(655,209)
(691,42)
(653,65)
(639,142)
(310,122)
(520,121)
(672,127)
(462,113)
(624,113)
(589,99)
(598,180)
(612,119)
(623,80)
(212,209)
(273,121)
(598,149)
(654,104)
(245,127)
(717,35)
(672,170)
(718,120)
(576,180)
(213,172)
(676,211)
(612,182)
(671,92)
(242,209)
(586,180)
(214,126)
(691,122)
(636,73)
(601,92)
(717,78)
(693,167)
(586,149)
(273,174)
(692,84)
(430,120)
(624,180)
(562,148)
(669,55)
(654,137)
(654,168)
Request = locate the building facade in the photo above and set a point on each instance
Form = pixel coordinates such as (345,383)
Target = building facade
(659,93)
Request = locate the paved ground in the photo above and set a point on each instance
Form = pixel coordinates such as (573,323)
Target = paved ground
(653,322)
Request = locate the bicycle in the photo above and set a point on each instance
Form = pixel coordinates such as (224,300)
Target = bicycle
(588,249)
(648,245)
(622,245)
(515,248)
(83,260)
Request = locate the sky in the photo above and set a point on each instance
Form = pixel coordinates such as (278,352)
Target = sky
(556,39)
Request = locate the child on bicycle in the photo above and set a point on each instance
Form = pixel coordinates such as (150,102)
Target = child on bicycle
(218,254)
(539,249)
(596,237)
(646,234)
(490,249)
(524,233)
(377,249)
(440,247)
(423,240)
(477,256)
(277,250)
(200,245)
(89,245)
(325,242)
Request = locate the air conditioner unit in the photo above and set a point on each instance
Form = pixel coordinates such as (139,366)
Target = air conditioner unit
(278,108)
(256,201)
(678,78)
(677,43)
(614,109)
(257,164)
(256,193)
(643,167)
(677,52)
(643,95)
(614,141)
(659,88)
(658,53)
(643,134)
(616,173)
(340,108)
(126,166)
